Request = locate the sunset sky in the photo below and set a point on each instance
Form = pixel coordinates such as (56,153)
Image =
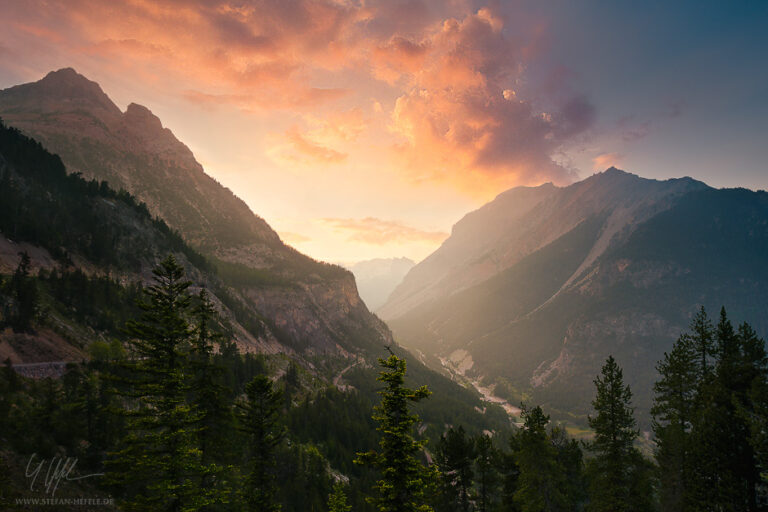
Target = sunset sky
(363,129)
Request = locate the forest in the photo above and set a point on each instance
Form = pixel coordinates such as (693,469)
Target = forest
(177,419)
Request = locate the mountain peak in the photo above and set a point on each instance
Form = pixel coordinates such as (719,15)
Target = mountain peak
(137,114)
(62,90)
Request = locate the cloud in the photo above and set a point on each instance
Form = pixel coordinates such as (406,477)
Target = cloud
(296,146)
(461,118)
(371,230)
(606,160)
(632,130)
(450,77)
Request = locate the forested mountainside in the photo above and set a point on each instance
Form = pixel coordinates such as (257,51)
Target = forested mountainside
(76,255)
(532,291)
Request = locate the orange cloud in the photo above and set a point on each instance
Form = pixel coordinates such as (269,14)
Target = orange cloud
(462,121)
(450,73)
(605,160)
(371,230)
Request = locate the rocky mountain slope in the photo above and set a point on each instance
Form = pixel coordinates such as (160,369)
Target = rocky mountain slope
(312,306)
(377,278)
(532,291)
(90,244)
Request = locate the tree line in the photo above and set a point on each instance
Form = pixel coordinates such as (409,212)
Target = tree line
(181,421)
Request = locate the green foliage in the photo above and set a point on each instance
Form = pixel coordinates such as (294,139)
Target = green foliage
(259,419)
(455,455)
(23,308)
(100,302)
(337,502)
(157,465)
(541,481)
(404,480)
(673,410)
(618,475)
(43,205)
(488,467)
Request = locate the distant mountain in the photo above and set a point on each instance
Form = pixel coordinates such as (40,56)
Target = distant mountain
(377,278)
(534,290)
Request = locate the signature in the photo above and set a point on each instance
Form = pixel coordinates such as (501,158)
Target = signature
(58,469)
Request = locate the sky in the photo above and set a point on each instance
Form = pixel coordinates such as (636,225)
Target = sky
(367,128)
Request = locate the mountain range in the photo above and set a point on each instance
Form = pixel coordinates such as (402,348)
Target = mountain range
(101,194)
(532,291)
(377,278)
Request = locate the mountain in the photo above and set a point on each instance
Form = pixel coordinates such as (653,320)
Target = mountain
(91,246)
(312,306)
(533,291)
(377,278)
(90,250)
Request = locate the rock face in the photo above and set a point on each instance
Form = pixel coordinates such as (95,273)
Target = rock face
(72,117)
(542,284)
(377,278)
(307,305)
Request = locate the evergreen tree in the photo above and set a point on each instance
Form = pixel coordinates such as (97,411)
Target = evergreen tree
(404,479)
(540,484)
(486,465)
(210,398)
(260,420)
(673,412)
(571,459)
(157,466)
(703,341)
(455,456)
(617,471)
(337,502)
(25,296)
(727,472)
(510,474)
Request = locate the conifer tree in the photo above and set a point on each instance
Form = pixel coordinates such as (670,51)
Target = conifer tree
(486,468)
(703,341)
(673,414)
(455,456)
(403,479)
(540,484)
(727,473)
(260,420)
(210,398)
(617,472)
(25,296)
(571,460)
(337,501)
(157,466)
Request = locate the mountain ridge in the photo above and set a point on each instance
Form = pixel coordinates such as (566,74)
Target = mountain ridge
(516,223)
(619,265)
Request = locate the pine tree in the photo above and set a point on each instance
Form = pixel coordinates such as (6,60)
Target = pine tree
(486,464)
(541,481)
(404,479)
(727,473)
(455,456)
(571,459)
(25,296)
(617,469)
(337,502)
(673,412)
(157,466)
(211,399)
(702,338)
(260,420)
